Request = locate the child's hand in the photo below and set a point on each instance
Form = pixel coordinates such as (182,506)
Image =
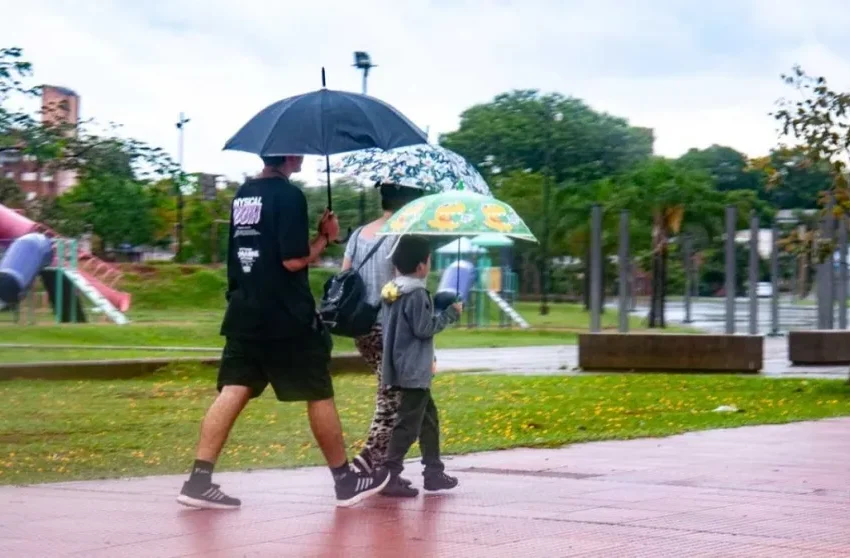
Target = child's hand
(434,368)
(458,306)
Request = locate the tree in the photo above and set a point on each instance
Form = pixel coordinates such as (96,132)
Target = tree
(117,208)
(11,194)
(114,173)
(819,121)
(519,132)
(668,198)
(792,180)
(728,168)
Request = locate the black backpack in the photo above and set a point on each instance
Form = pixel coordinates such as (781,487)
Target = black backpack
(344,309)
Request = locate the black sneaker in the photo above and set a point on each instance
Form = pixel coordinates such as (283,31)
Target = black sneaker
(355,487)
(439,481)
(209,497)
(363,464)
(397,489)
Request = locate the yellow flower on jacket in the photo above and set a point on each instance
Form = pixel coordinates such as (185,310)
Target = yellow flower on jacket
(390,292)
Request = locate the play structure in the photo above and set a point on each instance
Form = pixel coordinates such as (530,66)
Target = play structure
(73,278)
(487,290)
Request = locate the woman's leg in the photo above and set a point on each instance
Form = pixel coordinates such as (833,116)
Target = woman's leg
(371,347)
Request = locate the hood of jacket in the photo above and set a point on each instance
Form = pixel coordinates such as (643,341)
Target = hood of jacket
(399,287)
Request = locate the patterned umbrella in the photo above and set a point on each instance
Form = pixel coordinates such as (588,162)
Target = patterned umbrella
(429,167)
(457,213)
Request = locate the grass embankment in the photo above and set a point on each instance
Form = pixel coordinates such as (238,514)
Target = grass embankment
(62,430)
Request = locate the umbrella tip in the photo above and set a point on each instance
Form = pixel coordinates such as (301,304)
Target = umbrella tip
(324,83)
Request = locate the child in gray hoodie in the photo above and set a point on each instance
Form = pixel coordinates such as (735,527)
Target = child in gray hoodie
(408,365)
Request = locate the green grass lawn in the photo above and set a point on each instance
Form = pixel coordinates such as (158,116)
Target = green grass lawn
(166,335)
(62,430)
(200,328)
(182,306)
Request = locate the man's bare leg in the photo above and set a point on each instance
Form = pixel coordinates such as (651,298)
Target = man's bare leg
(218,422)
(198,491)
(327,429)
(350,487)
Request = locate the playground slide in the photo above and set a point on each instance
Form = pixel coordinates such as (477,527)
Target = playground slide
(21,264)
(92,277)
(508,309)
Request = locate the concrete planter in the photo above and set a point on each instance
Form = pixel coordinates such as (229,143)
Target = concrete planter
(665,353)
(824,346)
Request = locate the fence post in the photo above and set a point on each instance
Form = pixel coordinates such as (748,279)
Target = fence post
(596,269)
(842,272)
(774,279)
(826,307)
(754,273)
(731,218)
(623,269)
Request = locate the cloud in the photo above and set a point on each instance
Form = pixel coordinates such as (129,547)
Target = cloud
(697,73)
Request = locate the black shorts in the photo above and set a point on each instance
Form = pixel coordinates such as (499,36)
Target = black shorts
(298,368)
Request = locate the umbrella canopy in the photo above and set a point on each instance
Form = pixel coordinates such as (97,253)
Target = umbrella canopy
(429,167)
(457,213)
(492,240)
(325,122)
(460,246)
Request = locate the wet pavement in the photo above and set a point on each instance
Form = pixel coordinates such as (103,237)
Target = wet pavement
(767,491)
(563,359)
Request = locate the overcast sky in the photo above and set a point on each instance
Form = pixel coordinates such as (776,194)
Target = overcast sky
(697,72)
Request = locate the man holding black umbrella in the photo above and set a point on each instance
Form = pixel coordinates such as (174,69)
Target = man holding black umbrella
(273,335)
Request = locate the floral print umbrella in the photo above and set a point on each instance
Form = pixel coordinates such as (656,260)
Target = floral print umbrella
(457,213)
(428,167)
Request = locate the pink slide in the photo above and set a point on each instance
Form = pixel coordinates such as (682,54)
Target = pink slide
(100,274)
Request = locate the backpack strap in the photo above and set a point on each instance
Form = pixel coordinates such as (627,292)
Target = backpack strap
(370,254)
(354,238)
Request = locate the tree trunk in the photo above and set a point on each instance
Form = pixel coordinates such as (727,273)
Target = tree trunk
(804,275)
(656,308)
(654,292)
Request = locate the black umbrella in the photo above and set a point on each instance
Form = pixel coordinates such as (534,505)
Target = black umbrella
(325,122)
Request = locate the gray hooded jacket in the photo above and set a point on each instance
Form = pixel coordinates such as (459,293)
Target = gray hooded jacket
(409,327)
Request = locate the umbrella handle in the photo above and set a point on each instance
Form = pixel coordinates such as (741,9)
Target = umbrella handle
(347,237)
(328,175)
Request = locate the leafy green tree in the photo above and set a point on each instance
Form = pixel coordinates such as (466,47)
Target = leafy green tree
(728,168)
(666,198)
(526,131)
(11,194)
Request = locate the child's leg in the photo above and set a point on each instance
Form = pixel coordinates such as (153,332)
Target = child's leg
(429,439)
(407,427)
(429,443)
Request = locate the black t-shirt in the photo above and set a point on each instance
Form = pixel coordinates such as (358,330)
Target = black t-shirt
(268,225)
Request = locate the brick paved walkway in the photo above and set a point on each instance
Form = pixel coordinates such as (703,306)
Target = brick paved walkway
(767,491)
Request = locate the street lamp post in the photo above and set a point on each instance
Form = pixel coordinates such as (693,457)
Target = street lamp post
(547,186)
(363,62)
(181,123)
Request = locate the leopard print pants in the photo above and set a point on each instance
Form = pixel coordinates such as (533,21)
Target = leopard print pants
(371,348)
